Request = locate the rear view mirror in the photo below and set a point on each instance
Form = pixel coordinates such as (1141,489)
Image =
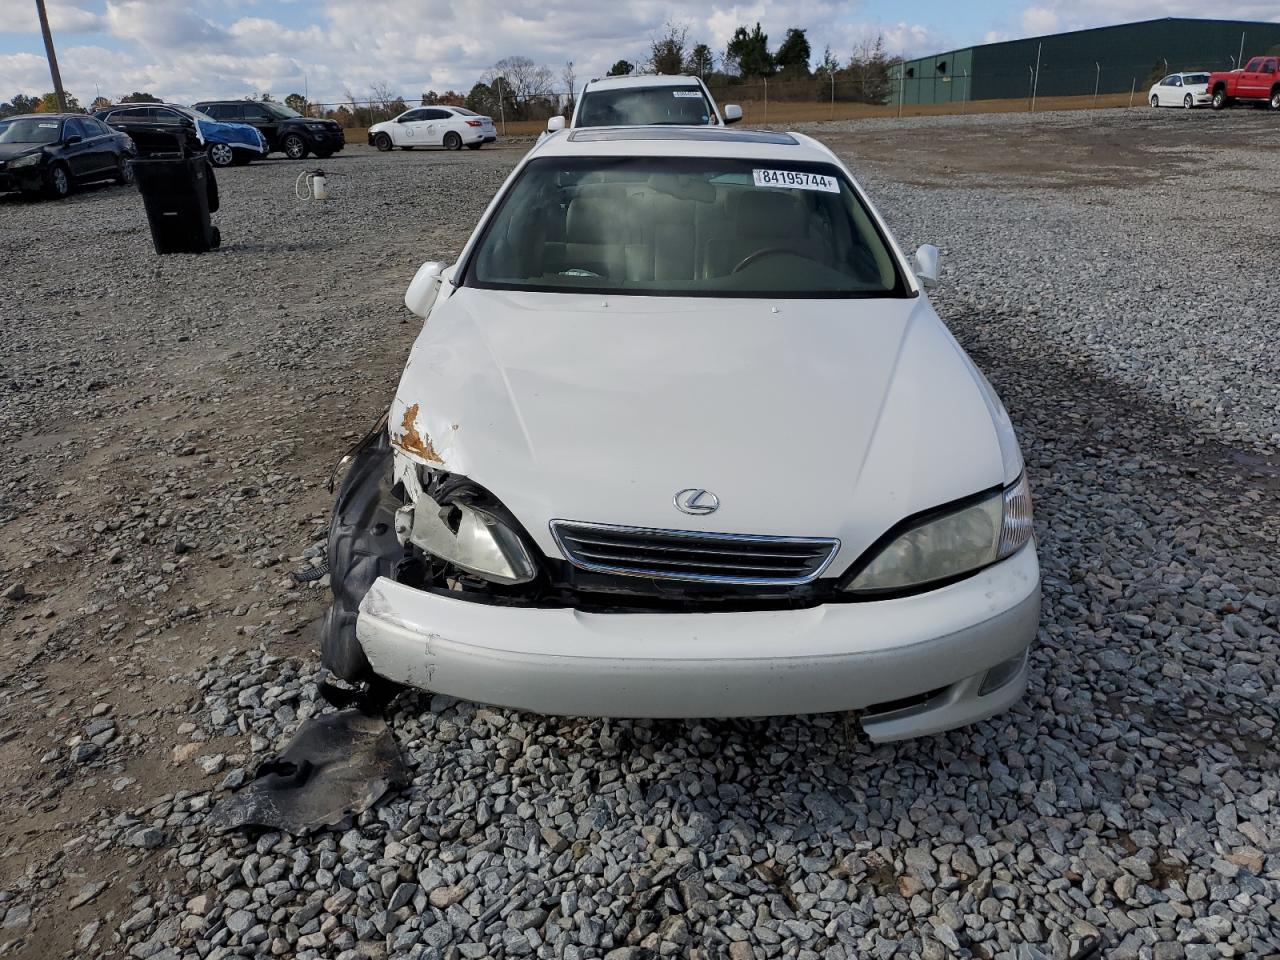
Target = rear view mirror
(554,124)
(732,113)
(927,264)
(424,288)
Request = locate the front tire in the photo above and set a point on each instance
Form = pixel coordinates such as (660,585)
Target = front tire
(59,182)
(125,176)
(221,155)
(1188,102)
(295,148)
(382,142)
(1274,102)
(452,141)
(1155,101)
(1219,99)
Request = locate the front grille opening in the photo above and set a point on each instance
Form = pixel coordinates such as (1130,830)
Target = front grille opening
(693,555)
(904,703)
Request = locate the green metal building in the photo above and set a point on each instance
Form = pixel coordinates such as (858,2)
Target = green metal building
(1109,59)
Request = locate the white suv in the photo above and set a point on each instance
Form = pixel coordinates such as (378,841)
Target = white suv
(682,436)
(645,101)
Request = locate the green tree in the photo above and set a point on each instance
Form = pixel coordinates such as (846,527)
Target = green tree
(21,103)
(623,68)
(666,53)
(482,99)
(49,104)
(99,103)
(792,57)
(869,73)
(701,61)
(137,97)
(296,101)
(828,66)
(748,52)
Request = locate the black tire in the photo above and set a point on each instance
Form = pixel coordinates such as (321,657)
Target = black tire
(294,147)
(58,181)
(1188,102)
(452,141)
(475,146)
(1274,102)
(1219,101)
(1155,101)
(125,175)
(362,547)
(221,155)
(382,142)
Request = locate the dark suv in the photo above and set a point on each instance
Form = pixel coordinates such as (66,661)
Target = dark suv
(285,130)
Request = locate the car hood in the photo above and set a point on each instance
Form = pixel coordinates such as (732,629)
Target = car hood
(825,418)
(12,151)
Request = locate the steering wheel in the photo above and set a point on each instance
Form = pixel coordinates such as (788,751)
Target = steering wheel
(759,255)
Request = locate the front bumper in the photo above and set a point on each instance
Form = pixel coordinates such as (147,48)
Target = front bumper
(331,140)
(24,178)
(933,649)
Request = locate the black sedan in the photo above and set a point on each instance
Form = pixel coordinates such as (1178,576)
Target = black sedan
(51,152)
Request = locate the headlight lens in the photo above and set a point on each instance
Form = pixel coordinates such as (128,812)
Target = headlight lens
(472,540)
(30,160)
(953,544)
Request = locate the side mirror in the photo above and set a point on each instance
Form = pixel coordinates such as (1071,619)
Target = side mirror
(732,113)
(424,288)
(927,264)
(74,138)
(555,123)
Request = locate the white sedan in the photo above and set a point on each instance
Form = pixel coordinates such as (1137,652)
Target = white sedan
(682,436)
(448,127)
(1180,90)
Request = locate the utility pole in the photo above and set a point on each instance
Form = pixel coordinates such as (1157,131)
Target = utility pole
(902,86)
(833,94)
(53,57)
(1096,81)
(1238,59)
(964,103)
(502,107)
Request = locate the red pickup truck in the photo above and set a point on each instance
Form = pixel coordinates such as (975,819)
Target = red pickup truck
(1259,80)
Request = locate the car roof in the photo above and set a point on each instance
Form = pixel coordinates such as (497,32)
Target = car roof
(44,116)
(644,80)
(671,141)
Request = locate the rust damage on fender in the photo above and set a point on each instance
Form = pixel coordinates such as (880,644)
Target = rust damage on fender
(411,441)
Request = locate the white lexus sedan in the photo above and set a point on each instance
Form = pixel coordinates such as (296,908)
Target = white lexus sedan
(682,436)
(1185,90)
(448,127)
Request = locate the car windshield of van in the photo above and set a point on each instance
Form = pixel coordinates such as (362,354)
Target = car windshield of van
(684,226)
(643,106)
(30,130)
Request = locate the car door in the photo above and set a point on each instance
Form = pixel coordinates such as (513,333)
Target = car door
(78,156)
(1247,85)
(1267,76)
(256,115)
(409,128)
(437,125)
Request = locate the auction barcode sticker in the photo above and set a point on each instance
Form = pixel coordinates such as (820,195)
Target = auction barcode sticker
(798,179)
(687,93)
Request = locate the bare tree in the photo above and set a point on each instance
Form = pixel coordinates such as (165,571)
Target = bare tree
(570,78)
(525,78)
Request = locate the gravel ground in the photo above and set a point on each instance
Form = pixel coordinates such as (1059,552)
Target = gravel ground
(171,445)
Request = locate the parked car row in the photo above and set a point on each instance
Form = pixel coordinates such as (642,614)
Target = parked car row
(1257,82)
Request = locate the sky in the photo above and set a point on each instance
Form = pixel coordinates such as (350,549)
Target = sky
(186,50)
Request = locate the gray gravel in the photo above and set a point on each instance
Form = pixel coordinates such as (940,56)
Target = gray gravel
(1132,794)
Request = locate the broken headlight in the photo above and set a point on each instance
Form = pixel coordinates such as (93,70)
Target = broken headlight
(961,541)
(467,536)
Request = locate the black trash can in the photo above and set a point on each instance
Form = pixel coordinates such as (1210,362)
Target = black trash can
(179,190)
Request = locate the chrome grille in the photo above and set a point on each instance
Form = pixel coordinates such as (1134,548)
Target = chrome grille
(693,555)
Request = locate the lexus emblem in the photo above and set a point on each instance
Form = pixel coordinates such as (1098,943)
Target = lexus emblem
(697,502)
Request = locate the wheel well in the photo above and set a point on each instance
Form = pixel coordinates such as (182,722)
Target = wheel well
(1219,86)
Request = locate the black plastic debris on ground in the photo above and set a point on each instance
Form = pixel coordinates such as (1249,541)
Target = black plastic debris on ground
(337,765)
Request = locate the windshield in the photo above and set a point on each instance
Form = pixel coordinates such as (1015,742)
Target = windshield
(29,130)
(642,106)
(281,111)
(1195,78)
(683,226)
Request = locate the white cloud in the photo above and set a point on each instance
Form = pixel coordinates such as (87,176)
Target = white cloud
(1037,20)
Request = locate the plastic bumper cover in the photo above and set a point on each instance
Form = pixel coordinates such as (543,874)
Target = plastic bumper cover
(933,650)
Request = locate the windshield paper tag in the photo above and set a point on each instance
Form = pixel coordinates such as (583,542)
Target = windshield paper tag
(797,179)
(47,126)
(697,95)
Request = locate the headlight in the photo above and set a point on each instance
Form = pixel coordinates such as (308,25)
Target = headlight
(317,126)
(941,547)
(30,160)
(467,537)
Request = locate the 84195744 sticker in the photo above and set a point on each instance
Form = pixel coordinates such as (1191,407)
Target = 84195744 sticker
(796,179)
